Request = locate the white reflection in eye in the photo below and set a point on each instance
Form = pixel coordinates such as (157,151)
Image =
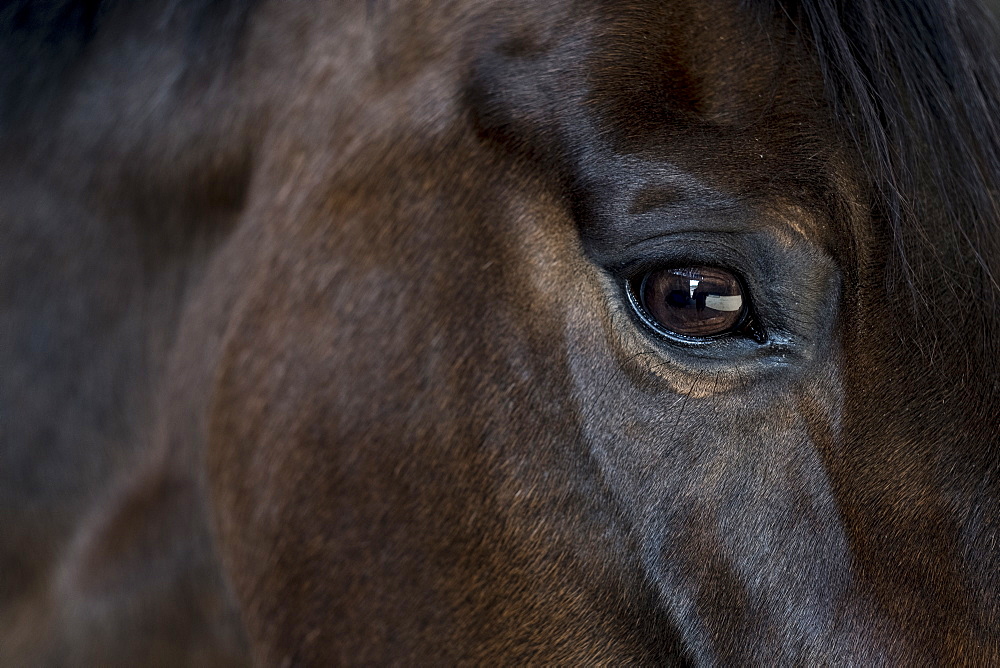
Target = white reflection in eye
(722,302)
(693,285)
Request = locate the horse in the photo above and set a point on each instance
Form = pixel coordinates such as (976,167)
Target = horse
(592,332)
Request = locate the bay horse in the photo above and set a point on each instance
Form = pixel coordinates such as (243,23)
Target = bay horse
(499,332)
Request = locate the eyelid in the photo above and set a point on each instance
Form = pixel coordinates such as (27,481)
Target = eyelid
(701,249)
(793,288)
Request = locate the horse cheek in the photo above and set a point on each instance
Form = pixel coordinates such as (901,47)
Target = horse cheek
(727,491)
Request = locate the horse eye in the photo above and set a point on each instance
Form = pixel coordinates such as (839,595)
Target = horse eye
(694,302)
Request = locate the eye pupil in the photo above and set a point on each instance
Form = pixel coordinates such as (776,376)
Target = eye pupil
(696,302)
(677,299)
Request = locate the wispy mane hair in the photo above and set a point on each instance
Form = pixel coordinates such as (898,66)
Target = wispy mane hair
(916,83)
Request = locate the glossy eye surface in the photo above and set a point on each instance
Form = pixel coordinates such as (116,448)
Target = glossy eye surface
(692,302)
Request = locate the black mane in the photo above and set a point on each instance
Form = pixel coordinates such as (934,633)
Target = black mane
(917,85)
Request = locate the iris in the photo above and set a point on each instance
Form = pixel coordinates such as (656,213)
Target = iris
(690,302)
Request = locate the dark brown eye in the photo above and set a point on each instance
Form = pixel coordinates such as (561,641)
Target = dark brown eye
(695,302)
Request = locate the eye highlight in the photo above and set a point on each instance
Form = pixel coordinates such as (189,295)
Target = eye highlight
(692,302)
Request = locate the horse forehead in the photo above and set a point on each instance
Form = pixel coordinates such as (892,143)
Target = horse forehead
(701,57)
(735,103)
(654,101)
